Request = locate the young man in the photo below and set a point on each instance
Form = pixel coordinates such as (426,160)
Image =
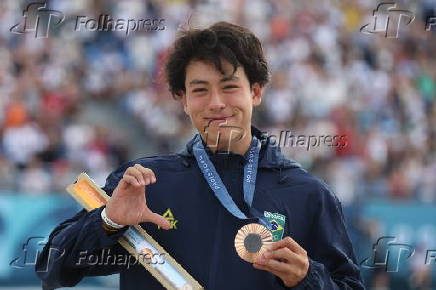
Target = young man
(218,74)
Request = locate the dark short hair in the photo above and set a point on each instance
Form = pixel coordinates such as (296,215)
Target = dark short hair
(221,41)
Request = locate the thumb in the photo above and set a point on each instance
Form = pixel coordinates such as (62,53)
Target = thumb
(157,219)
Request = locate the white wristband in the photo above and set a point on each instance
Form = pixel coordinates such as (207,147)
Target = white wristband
(108,221)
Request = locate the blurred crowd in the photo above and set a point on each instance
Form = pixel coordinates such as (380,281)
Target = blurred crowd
(327,79)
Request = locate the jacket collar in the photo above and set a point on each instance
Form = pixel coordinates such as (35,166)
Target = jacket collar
(270,155)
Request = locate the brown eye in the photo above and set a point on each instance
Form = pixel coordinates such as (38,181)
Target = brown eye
(199,90)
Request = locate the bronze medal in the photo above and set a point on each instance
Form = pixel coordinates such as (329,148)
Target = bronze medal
(251,241)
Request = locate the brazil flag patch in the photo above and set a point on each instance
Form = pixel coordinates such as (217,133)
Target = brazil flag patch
(278,224)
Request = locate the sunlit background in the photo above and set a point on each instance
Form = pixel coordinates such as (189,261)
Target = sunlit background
(83,100)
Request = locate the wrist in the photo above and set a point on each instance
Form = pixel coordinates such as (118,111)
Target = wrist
(108,224)
(305,283)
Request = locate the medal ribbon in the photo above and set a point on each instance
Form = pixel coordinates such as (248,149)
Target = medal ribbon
(216,184)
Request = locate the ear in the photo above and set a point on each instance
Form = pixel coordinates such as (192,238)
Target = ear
(256,93)
(182,96)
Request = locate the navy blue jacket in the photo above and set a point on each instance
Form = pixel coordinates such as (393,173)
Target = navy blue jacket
(202,240)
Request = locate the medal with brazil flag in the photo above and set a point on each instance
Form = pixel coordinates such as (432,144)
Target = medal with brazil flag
(252,239)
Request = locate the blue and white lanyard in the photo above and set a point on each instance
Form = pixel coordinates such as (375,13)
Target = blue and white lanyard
(218,187)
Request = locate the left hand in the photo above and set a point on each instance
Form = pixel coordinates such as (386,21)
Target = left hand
(285,259)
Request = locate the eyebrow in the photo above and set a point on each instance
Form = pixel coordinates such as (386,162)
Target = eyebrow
(229,78)
(203,82)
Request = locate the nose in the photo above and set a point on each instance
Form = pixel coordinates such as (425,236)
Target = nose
(216,102)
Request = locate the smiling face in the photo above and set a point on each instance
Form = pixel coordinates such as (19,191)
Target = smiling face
(220,106)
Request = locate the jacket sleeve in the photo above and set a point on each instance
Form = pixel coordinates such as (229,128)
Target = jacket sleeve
(332,264)
(80,247)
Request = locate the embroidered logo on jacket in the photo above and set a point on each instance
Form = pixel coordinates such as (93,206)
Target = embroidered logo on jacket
(168,215)
(278,224)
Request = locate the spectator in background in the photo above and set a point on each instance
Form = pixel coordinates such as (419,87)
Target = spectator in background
(378,92)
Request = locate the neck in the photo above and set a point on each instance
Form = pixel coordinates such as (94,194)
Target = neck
(238,146)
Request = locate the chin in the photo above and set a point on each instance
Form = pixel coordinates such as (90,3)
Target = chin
(225,137)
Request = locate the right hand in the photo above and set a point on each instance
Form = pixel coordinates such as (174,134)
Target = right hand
(128,205)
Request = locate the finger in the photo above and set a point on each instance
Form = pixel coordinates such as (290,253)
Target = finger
(137,174)
(146,179)
(284,254)
(284,259)
(131,172)
(266,268)
(289,243)
(151,175)
(281,275)
(289,274)
(143,171)
(157,219)
(260,266)
(142,175)
(130,180)
(147,173)
(275,265)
